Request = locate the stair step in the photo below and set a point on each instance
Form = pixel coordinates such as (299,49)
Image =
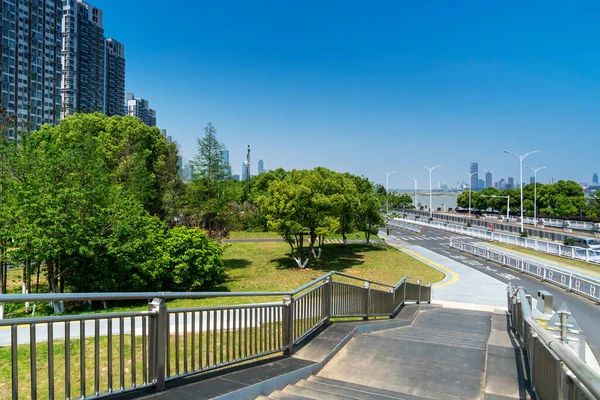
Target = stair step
(313,394)
(278,394)
(363,388)
(353,393)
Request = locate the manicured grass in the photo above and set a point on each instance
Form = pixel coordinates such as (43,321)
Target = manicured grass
(564,260)
(267,267)
(253,235)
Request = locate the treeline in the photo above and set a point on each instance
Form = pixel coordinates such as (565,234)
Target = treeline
(93,205)
(96,204)
(562,199)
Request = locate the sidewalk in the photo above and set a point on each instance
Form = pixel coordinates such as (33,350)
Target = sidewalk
(565,266)
(463,287)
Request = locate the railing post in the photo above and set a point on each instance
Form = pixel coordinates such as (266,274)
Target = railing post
(288,324)
(327,299)
(419,298)
(157,342)
(367,300)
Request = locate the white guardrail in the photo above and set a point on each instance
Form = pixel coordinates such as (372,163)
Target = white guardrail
(544,246)
(576,283)
(556,223)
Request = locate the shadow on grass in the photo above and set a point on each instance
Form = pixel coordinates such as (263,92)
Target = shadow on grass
(335,257)
(237,263)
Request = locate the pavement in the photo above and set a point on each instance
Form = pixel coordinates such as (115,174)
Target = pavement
(436,241)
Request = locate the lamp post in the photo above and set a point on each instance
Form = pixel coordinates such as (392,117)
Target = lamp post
(535,171)
(470,188)
(521,157)
(430,195)
(415,192)
(387,202)
(503,197)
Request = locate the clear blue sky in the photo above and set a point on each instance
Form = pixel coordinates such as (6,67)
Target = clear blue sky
(368,87)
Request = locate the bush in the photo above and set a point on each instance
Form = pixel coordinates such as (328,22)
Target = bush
(523,234)
(569,241)
(469,225)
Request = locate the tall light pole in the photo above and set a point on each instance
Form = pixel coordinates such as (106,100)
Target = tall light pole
(521,157)
(387,202)
(415,192)
(470,188)
(535,171)
(430,195)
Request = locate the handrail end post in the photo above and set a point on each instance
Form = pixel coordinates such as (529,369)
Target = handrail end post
(158,341)
(288,325)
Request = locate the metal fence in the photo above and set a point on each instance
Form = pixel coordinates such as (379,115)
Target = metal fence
(544,246)
(580,284)
(499,225)
(556,370)
(99,355)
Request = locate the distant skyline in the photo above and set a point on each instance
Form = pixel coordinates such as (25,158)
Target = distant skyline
(372,88)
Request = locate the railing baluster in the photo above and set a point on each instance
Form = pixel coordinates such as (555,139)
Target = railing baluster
(221,327)
(122,353)
(227,353)
(215,336)
(234,333)
(82,358)
(144,351)
(110,353)
(176,343)
(96,356)
(68,360)
(208,339)
(32,360)
(50,361)
(133,353)
(193,352)
(200,330)
(14,362)
(185,346)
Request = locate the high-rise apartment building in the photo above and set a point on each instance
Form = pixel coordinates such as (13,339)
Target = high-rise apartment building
(488,179)
(475,176)
(31,64)
(595,179)
(225,162)
(532,179)
(114,89)
(140,108)
(83,60)
(261,166)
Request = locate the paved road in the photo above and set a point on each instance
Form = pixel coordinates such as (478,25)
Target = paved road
(585,311)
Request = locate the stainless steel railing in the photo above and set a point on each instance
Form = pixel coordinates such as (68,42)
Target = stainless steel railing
(556,370)
(99,355)
(579,283)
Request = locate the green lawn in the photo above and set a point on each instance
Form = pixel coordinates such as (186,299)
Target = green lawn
(275,235)
(564,260)
(266,266)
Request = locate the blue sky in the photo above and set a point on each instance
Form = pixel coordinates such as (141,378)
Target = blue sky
(367,87)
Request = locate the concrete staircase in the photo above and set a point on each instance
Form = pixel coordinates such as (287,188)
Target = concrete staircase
(316,387)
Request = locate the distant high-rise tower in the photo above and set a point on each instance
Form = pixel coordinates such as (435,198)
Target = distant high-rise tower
(475,177)
(140,108)
(261,166)
(532,179)
(83,59)
(114,91)
(595,179)
(225,162)
(31,64)
(488,179)
(480,184)
(551,180)
(511,183)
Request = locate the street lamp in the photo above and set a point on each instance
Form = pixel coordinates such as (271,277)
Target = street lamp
(415,192)
(430,195)
(387,202)
(470,188)
(503,197)
(521,157)
(535,171)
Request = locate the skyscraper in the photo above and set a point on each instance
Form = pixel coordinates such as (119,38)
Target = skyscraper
(480,184)
(595,179)
(225,162)
(511,183)
(31,65)
(488,179)
(532,179)
(140,108)
(245,170)
(261,166)
(114,90)
(83,60)
(475,177)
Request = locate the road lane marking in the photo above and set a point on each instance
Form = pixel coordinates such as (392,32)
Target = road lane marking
(454,275)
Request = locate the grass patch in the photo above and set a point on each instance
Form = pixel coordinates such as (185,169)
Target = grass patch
(275,235)
(266,266)
(563,260)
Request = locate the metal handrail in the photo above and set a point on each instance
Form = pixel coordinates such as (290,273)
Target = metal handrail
(585,376)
